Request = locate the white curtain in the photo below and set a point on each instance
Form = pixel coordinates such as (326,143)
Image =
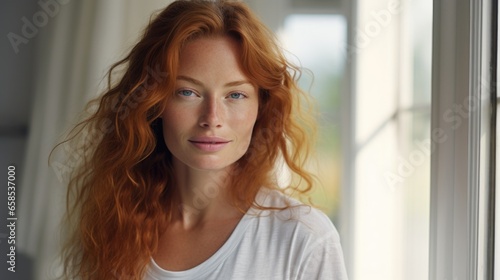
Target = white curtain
(75,49)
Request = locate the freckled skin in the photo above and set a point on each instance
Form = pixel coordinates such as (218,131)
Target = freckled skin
(213,97)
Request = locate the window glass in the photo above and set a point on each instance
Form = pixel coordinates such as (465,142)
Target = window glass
(392,44)
(315,43)
(385,232)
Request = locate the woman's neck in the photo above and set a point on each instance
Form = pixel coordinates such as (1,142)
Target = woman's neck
(202,196)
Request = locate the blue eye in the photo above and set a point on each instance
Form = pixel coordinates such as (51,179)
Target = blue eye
(236,95)
(185,92)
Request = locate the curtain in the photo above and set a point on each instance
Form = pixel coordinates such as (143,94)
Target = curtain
(75,49)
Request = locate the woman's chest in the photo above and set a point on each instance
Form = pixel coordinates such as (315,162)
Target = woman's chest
(181,250)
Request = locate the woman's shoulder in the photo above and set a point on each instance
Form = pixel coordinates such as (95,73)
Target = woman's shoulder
(303,219)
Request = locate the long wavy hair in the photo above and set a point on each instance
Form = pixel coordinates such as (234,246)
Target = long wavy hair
(120,195)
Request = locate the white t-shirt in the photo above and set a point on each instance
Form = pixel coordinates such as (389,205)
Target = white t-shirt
(297,243)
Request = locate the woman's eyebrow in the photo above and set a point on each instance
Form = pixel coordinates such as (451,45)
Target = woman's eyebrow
(199,83)
(238,83)
(191,80)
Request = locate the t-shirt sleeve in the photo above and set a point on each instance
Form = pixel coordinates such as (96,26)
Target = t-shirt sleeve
(324,260)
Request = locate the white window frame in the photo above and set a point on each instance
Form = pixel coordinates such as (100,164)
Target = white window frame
(460,164)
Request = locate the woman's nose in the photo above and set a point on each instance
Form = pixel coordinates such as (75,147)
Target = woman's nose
(210,117)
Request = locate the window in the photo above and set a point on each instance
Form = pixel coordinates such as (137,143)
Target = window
(391,53)
(461,162)
(371,63)
(315,43)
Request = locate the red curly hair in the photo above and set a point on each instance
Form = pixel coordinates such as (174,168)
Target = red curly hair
(120,195)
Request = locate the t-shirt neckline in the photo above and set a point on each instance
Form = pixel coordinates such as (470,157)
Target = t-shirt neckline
(219,256)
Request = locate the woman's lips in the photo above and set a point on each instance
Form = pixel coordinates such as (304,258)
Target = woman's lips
(209,144)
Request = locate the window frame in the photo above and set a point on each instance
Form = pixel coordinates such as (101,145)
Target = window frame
(460,164)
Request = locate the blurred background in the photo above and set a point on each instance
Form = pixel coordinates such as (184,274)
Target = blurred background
(367,63)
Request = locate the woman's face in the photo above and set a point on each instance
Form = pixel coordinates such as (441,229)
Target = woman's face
(208,123)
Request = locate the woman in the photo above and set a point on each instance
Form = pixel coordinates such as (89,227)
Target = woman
(178,176)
